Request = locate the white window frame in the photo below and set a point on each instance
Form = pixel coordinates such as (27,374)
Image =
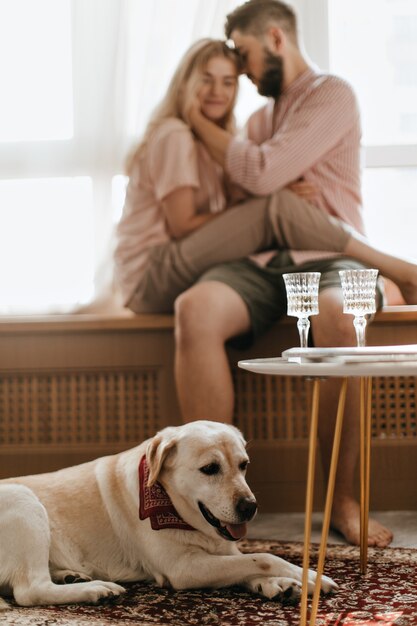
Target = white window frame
(314,23)
(89,152)
(72,157)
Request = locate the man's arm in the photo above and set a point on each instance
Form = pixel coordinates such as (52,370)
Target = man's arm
(326,115)
(304,138)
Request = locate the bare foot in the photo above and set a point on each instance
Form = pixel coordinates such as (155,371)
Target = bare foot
(345,519)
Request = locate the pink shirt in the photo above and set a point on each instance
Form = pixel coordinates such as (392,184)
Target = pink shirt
(172,159)
(312,132)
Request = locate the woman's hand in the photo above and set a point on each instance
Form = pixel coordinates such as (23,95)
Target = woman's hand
(192,112)
(304,189)
(215,138)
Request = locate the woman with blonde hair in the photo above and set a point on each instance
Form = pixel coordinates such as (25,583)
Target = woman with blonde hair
(175,225)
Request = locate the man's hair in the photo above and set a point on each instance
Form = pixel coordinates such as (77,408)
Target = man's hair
(253,17)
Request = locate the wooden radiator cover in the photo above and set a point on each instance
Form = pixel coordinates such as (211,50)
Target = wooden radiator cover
(278,407)
(123,406)
(80,407)
(75,388)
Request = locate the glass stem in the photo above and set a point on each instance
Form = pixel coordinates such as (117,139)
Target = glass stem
(303,326)
(360,325)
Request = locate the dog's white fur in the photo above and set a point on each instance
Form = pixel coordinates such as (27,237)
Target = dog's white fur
(83,523)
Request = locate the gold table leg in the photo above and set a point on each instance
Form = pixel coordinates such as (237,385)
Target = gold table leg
(365,456)
(329,498)
(362,446)
(365,467)
(312,449)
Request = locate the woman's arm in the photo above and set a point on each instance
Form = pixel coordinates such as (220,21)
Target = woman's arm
(180,213)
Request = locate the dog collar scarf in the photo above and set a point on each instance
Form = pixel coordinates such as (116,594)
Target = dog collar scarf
(155,503)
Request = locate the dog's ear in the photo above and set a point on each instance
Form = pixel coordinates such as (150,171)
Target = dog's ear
(157,452)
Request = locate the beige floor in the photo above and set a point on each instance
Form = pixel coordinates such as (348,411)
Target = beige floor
(290,527)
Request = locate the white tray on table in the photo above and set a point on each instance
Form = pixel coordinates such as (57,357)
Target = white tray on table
(368,354)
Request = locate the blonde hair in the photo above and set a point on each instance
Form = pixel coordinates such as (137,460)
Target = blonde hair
(183,88)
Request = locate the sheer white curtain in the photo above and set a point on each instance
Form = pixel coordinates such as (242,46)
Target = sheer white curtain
(158,33)
(60,145)
(80,78)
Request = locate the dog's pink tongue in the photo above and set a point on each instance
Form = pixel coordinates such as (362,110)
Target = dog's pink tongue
(237,530)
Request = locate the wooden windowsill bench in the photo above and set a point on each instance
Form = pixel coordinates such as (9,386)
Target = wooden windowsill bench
(125,319)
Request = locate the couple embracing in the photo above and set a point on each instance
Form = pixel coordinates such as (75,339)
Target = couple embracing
(212,220)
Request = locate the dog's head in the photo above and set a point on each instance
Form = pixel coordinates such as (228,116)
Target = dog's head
(202,466)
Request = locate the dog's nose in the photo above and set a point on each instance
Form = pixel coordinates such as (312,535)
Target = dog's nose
(246,508)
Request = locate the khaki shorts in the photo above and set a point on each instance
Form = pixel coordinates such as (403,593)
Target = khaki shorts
(263,288)
(280,221)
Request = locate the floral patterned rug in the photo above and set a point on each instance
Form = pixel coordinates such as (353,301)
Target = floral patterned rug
(386,596)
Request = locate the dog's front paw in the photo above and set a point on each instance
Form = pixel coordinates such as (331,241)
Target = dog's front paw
(67,576)
(327,584)
(101,591)
(285,589)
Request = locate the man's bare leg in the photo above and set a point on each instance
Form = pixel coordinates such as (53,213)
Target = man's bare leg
(206,316)
(333,328)
(402,272)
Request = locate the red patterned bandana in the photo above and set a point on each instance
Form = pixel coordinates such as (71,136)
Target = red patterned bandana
(155,503)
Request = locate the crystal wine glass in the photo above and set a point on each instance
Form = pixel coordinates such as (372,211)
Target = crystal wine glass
(359,290)
(303,300)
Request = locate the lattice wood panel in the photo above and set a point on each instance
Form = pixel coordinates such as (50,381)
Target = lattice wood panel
(79,407)
(271,407)
(394,407)
(278,407)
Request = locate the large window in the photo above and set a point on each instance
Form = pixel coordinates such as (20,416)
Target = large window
(79,80)
(36,70)
(373,44)
(56,157)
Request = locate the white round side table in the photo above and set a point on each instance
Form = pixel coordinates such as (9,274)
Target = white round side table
(344,363)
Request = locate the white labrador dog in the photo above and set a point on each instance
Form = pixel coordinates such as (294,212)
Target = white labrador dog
(169,510)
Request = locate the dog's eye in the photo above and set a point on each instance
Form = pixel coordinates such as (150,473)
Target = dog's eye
(244,465)
(211,469)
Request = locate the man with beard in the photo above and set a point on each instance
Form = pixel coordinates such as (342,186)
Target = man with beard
(309,130)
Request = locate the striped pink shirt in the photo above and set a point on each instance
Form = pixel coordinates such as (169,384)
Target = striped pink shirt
(313,132)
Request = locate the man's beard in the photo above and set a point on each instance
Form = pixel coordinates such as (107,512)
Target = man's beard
(270,84)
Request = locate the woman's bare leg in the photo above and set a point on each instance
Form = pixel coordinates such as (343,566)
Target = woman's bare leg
(302,226)
(402,272)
